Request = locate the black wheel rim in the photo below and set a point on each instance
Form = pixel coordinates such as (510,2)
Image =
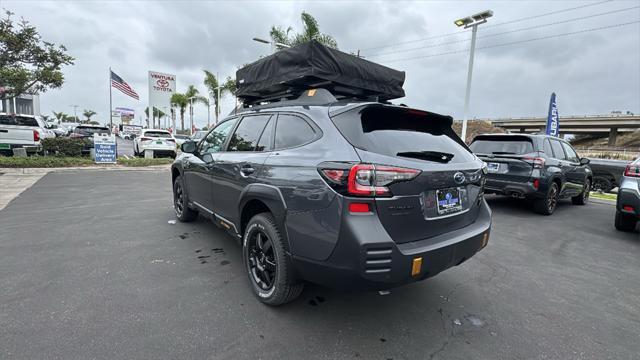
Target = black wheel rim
(178,198)
(553,198)
(261,260)
(587,189)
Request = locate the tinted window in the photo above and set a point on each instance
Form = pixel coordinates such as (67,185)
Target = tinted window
(18,120)
(248,132)
(90,130)
(503,146)
(214,141)
(404,133)
(265,140)
(571,154)
(557,149)
(547,148)
(157,134)
(292,131)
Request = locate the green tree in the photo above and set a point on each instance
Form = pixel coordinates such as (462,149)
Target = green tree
(310,31)
(88,114)
(211,83)
(180,101)
(28,63)
(194,97)
(60,116)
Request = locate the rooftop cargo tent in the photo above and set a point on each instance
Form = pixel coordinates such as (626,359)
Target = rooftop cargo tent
(287,73)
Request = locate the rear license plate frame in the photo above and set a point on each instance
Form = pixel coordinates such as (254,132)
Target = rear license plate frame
(493,167)
(448,200)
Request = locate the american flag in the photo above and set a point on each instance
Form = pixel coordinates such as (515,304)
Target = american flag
(118,83)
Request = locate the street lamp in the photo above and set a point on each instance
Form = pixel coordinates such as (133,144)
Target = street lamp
(191,114)
(471,22)
(274,45)
(75,112)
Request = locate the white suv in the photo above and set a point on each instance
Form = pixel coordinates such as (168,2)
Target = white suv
(161,142)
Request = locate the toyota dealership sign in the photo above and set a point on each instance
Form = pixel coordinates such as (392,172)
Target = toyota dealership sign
(161,87)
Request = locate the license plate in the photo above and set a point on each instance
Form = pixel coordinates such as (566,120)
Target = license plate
(448,200)
(493,167)
(5,147)
(159,142)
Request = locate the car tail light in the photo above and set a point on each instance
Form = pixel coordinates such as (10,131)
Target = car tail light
(537,162)
(366,179)
(628,208)
(536,184)
(36,135)
(632,170)
(145,139)
(171,140)
(359,208)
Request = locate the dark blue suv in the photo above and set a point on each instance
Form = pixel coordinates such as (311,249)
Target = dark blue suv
(345,193)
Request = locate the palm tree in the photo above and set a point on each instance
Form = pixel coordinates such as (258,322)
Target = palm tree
(88,114)
(193,96)
(60,116)
(212,84)
(157,114)
(180,101)
(310,31)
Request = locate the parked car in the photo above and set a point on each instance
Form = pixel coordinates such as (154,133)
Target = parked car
(537,167)
(607,173)
(628,201)
(46,131)
(346,194)
(161,142)
(86,132)
(59,130)
(19,131)
(180,139)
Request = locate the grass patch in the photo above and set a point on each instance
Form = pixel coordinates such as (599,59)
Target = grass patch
(603,196)
(43,161)
(135,162)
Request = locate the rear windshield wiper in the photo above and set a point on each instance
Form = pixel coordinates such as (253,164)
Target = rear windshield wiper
(435,156)
(503,153)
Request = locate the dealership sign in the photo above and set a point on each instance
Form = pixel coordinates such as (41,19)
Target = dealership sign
(161,87)
(104,147)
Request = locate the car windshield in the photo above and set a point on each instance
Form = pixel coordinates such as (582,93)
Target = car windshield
(18,120)
(498,146)
(157,134)
(91,130)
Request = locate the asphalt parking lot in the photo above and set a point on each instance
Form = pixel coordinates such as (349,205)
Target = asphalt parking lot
(91,268)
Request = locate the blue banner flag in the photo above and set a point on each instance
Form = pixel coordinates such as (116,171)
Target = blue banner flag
(553,121)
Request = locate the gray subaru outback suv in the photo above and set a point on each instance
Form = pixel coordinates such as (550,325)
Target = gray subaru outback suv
(345,194)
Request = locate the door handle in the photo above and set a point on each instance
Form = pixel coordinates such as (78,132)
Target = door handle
(247,170)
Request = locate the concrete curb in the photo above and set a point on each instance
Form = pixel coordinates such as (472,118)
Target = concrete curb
(82,168)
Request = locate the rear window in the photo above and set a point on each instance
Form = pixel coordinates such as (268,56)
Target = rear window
(18,120)
(501,146)
(157,134)
(404,133)
(91,130)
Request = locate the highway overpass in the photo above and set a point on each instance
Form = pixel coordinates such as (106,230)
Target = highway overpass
(590,124)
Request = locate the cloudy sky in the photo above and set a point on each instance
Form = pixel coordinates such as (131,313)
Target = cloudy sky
(592,71)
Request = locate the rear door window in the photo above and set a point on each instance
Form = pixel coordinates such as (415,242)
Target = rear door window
(558,153)
(403,132)
(247,134)
(501,146)
(292,131)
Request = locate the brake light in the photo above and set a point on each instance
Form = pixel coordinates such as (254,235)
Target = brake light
(628,208)
(36,135)
(364,179)
(171,140)
(372,180)
(538,162)
(632,170)
(536,184)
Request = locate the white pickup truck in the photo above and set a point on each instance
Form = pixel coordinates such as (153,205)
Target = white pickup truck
(19,131)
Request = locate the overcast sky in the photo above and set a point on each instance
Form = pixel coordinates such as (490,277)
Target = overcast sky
(593,72)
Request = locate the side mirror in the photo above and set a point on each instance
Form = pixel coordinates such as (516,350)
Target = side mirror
(584,161)
(188,147)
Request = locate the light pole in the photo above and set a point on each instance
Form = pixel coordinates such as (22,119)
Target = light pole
(275,46)
(75,112)
(471,22)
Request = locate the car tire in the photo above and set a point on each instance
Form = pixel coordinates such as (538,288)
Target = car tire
(625,222)
(181,202)
(602,184)
(583,198)
(268,267)
(548,204)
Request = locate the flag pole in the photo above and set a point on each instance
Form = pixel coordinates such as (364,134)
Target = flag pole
(110,103)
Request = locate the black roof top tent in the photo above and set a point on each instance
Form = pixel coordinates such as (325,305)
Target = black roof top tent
(289,72)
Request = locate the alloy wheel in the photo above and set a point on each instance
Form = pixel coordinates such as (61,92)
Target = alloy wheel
(261,260)
(178,197)
(552,201)
(587,190)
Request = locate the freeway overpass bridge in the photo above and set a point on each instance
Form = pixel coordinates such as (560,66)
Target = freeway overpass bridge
(590,124)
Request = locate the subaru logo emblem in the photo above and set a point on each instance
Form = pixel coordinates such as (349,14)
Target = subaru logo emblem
(458,177)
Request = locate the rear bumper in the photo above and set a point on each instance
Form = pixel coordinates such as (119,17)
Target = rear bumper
(626,198)
(30,148)
(367,258)
(512,188)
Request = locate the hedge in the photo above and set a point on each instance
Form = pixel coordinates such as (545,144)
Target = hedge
(64,146)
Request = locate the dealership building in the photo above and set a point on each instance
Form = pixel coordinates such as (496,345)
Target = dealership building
(23,104)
